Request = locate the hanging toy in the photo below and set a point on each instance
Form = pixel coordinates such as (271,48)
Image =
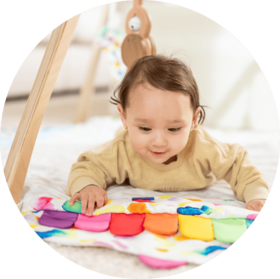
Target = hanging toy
(109,40)
(137,43)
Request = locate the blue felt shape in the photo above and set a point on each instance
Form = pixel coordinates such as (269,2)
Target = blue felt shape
(188,210)
(209,250)
(144,198)
(54,232)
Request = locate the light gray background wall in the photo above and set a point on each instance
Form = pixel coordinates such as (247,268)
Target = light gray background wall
(230,81)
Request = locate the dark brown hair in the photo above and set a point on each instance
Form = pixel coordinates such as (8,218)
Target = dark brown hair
(163,73)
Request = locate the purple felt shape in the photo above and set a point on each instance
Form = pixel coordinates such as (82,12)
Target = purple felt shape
(58,219)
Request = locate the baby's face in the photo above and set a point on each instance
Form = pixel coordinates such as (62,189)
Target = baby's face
(159,122)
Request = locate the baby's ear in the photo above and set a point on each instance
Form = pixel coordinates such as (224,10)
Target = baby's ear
(195,116)
(122,114)
(119,107)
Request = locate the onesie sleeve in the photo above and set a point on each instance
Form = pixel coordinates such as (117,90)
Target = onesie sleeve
(101,166)
(230,162)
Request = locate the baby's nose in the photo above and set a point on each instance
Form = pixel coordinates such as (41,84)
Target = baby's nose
(159,140)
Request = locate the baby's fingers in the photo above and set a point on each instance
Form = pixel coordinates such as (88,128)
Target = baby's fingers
(99,201)
(84,203)
(73,198)
(91,205)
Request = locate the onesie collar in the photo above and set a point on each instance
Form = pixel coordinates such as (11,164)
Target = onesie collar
(171,166)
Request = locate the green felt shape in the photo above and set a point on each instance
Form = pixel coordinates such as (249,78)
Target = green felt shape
(229,230)
(76,207)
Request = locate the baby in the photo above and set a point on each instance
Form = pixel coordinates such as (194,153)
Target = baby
(163,145)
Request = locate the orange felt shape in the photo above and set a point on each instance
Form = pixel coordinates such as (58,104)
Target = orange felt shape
(138,208)
(161,223)
(126,224)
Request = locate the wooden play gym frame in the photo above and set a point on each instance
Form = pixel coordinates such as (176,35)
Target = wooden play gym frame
(135,45)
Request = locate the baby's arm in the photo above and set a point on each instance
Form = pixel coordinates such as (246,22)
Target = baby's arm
(247,182)
(90,195)
(256,205)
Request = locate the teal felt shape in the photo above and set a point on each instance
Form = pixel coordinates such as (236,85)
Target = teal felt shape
(76,207)
(249,223)
(207,210)
(229,230)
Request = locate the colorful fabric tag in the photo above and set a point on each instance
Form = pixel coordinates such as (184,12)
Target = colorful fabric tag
(144,228)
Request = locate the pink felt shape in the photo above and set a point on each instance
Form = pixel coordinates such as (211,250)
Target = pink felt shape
(251,216)
(158,263)
(98,223)
(43,203)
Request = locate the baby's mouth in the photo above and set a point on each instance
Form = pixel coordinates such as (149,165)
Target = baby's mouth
(158,153)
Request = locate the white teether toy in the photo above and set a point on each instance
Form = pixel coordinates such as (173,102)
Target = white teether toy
(135,23)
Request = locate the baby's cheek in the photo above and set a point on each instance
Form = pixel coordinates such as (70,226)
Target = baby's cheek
(138,143)
(139,139)
(180,141)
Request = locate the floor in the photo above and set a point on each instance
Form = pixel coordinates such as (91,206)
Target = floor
(60,109)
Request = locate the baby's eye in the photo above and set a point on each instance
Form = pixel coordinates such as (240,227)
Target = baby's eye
(148,129)
(144,129)
(174,129)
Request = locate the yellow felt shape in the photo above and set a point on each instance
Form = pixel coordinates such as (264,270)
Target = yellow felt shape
(196,227)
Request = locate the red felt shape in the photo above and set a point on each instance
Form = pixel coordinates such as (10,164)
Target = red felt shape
(139,200)
(127,224)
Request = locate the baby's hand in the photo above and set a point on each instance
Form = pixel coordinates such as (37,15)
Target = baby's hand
(90,195)
(256,205)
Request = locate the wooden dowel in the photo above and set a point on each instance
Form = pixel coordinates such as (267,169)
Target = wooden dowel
(20,154)
(86,94)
